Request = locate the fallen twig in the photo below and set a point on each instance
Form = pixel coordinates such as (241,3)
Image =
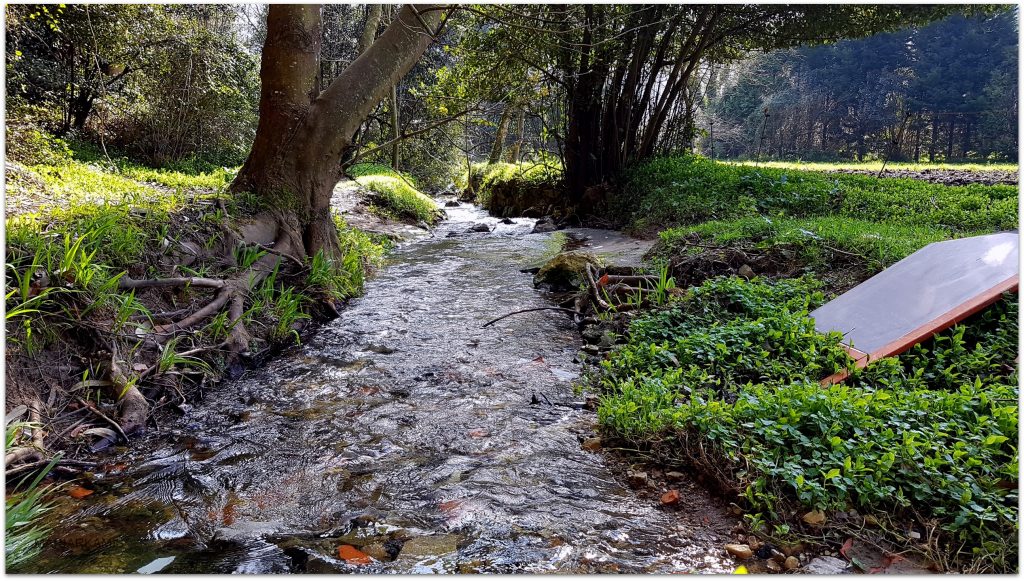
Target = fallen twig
(103,416)
(564,310)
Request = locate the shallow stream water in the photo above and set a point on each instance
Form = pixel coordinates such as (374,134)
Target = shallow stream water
(403,429)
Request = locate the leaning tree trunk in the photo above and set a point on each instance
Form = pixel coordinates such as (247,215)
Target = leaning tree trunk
(500,134)
(303,138)
(515,151)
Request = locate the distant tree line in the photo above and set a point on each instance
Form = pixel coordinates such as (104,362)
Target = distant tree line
(942,92)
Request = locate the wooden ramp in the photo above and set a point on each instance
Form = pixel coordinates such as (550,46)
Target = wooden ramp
(923,294)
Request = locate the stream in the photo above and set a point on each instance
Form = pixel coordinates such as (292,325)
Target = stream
(402,429)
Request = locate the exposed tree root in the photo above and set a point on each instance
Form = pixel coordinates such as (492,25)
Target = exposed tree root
(127,283)
(230,297)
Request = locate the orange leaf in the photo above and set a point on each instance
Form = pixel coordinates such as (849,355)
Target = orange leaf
(846,547)
(353,556)
(79,492)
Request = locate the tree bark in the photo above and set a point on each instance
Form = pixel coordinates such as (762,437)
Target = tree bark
(935,137)
(499,135)
(373,16)
(949,140)
(517,145)
(396,128)
(303,138)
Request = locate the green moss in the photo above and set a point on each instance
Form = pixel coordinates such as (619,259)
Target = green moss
(396,195)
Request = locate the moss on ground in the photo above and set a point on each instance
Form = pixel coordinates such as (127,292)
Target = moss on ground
(395,194)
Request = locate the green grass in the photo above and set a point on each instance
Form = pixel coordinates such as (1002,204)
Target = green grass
(397,196)
(24,534)
(877,165)
(217,179)
(727,381)
(689,190)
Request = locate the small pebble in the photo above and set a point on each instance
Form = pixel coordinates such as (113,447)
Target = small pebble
(792,563)
(741,552)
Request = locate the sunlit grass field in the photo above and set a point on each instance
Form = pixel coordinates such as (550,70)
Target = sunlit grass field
(877,165)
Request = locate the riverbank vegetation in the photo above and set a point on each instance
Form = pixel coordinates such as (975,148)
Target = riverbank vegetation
(918,449)
(170,219)
(395,195)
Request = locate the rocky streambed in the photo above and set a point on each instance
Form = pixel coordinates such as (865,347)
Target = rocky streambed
(403,437)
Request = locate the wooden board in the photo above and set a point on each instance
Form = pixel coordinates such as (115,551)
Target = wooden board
(923,294)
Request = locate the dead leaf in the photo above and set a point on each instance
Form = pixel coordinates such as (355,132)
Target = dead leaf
(79,492)
(479,433)
(814,518)
(353,556)
(846,547)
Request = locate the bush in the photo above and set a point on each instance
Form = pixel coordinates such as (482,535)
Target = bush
(29,145)
(727,381)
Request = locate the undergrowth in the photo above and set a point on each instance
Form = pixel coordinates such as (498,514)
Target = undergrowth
(726,380)
(487,178)
(879,244)
(25,505)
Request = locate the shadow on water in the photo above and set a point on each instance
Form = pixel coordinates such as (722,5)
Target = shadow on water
(402,429)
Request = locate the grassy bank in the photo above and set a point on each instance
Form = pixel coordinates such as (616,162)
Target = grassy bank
(395,195)
(76,231)
(876,165)
(920,448)
(690,190)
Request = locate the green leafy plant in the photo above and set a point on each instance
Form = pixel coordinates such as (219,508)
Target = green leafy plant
(726,380)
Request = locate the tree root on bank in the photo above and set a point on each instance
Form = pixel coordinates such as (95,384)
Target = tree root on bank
(589,302)
(135,364)
(134,409)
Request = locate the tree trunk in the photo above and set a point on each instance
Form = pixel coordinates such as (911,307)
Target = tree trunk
(967,137)
(303,138)
(517,145)
(949,140)
(373,16)
(917,145)
(935,138)
(500,134)
(395,127)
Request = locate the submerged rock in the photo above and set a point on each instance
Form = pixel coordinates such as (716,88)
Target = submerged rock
(545,224)
(430,546)
(452,204)
(565,272)
(481,227)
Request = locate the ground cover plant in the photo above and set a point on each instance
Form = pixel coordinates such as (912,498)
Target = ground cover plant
(685,190)
(726,381)
(396,196)
(876,165)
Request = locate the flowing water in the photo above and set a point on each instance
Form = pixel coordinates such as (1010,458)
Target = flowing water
(403,429)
